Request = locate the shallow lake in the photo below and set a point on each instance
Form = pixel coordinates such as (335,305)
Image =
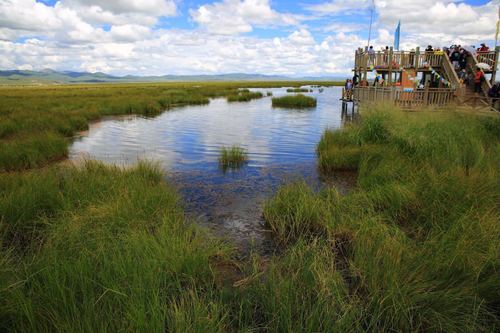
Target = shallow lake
(187,141)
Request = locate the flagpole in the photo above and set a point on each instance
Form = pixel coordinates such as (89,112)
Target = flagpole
(371,21)
(498,27)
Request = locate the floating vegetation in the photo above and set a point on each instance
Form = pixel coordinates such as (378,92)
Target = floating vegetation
(298,90)
(295,101)
(233,157)
(269,93)
(244,96)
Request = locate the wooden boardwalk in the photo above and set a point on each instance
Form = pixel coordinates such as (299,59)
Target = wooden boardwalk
(395,68)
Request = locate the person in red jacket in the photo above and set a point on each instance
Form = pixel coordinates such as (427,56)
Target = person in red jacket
(483,48)
(478,80)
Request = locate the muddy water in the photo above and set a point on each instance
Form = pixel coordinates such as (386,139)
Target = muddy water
(187,141)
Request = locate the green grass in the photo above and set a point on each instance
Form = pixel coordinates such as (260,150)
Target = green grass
(97,248)
(298,90)
(415,246)
(295,101)
(232,157)
(36,122)
(244,96)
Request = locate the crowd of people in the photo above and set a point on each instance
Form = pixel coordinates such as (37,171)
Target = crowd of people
(457,54)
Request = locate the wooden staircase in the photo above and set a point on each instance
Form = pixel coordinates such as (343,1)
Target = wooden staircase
(466,95)
(476,101)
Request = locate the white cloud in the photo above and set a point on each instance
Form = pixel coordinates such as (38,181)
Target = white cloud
(231,17)
(28,15)
(302,37)
(71,36)
(339,6)
(190,52)
(151,7)
(457,20)
(76,20)
(439,22)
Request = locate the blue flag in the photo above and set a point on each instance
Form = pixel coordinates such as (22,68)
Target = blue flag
(396,36)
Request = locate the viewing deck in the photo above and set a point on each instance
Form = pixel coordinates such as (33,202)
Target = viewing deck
(414,79)
(421,61)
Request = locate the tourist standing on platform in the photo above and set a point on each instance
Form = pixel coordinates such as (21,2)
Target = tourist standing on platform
(455,58)
(478,80)
(348,89)
(463,59)
(371,55)
(386,56)
(355,79)
(483,48)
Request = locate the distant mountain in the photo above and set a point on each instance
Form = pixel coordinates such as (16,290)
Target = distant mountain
(49,76)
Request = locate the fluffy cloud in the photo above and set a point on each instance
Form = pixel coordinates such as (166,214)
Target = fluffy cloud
(231,17)
(144,12)
(191,52)
(339,6)
(122,37)
(441,22)
(151,7)
(79,20)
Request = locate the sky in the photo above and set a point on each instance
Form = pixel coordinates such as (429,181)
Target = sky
(191,37)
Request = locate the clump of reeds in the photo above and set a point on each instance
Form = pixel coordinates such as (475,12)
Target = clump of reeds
(232,157)
(76,238)
(298,90)
(295,101)
(244,96)
(419,226)
(269,93)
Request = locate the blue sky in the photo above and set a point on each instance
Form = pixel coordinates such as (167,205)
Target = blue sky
(296,38)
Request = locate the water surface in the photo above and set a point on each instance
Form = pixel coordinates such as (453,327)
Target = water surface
(187,141)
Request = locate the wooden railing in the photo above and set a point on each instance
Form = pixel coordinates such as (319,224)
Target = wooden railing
(451,74)
(405,99)
(398,59)
(489,58)
(472,61)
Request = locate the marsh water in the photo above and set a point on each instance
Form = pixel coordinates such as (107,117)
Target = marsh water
(186,141)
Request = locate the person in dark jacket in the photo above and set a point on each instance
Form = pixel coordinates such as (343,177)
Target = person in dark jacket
(355,79)
(455,58)
(463,59)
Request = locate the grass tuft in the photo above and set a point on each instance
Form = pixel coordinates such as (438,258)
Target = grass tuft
(232,157)
(298,90)
(244,96)
(295,101)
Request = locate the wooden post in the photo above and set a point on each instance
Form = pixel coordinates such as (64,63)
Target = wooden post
(390,66)
(495,65)
(365,64)
(426,94)
(417,56)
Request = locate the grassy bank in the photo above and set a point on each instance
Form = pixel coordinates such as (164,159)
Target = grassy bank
(96,248)
(35,122)
(295,101)
(415,247)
